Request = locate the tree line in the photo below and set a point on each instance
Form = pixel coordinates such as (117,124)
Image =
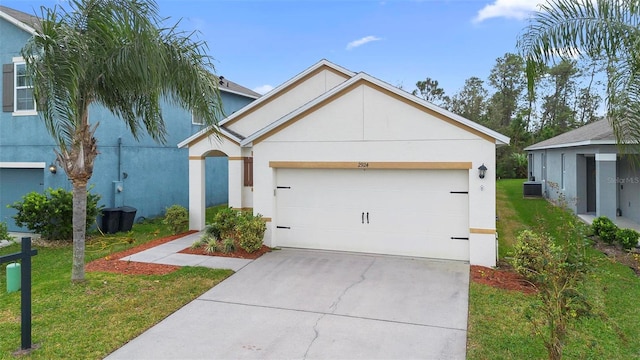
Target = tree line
(567,95)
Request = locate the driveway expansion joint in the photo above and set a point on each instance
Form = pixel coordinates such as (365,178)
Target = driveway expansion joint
(332,314)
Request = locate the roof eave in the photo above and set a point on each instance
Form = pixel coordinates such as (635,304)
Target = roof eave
(19,24)
(500,139)
(239,93)
(573,144)
(186,142)
(286,84)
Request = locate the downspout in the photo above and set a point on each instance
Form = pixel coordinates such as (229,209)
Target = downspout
(120,159)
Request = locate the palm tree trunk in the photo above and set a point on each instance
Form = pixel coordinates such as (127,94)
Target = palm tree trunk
(79,230)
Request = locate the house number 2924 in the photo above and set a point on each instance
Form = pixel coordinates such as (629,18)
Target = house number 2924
(363,164)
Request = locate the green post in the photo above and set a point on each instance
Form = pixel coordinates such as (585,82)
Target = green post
(13,277)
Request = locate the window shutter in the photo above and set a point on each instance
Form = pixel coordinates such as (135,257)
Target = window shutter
(248,171)
(7,87)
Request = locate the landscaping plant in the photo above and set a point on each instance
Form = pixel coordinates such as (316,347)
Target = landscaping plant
(4,231)
(231,229)
(177,218)
(604,228)
(557,268)
(50,214)
(628,238)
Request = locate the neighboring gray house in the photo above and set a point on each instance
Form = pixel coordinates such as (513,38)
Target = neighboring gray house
(592,172)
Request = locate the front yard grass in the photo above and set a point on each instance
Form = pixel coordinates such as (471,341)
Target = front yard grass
(498,328)
(92,319)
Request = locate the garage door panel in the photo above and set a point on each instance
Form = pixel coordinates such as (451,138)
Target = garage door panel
(410,212)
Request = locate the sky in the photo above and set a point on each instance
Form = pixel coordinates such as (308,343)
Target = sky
(261,44)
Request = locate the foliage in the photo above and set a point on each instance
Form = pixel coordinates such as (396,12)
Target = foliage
(228,245)
(177,218)
(4,231)
(137,61)
(251,232)
(557,268)
(231,228)
(430,90)
(604,228)
(498,327)
(604,31)
(628,238)
(224,224)
(50,214)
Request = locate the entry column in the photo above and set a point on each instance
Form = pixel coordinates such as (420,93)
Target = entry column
(606,185)
(196,192)
(235,182)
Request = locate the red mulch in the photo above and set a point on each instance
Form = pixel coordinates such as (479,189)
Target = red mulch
(501,278)
(239,253)
(112,264)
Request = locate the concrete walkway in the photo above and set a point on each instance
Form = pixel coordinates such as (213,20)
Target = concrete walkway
(167,254)
(307,304)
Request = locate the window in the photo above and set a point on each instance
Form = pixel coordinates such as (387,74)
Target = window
(248,171)
(196,120)
(17,89)
(563,169)
(24,100)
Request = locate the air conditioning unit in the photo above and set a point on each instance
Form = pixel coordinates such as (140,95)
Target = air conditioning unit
(532,189)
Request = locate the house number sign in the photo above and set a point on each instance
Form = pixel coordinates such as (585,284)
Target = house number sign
(363,165)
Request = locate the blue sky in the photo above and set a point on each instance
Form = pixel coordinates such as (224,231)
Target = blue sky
(261,44)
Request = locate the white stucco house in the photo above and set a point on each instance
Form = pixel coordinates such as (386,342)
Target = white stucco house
(338,160)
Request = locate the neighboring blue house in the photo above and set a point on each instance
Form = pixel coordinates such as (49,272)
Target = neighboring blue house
(590,170)
(142,174)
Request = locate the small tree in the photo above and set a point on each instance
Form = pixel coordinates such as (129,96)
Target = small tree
(557,268)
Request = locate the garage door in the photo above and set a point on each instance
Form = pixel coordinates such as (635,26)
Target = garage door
(422,213)
(14,184)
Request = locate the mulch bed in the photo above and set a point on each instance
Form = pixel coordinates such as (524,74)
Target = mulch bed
(503,278)
(112,264)
(239,253)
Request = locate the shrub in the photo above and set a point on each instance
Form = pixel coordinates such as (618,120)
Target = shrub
(604,228)
(228,245)
(628,238)
(4,231)
(232,227)
(224,224)
(557,270)
(51,214)
(177,218)
(251,232)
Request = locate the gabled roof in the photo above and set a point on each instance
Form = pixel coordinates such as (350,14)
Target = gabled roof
(268,97)
(20,19)
(235,88)
(595,133)
(363,77)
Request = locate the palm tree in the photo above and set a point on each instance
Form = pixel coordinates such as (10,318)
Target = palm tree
(117,54)
(605,31)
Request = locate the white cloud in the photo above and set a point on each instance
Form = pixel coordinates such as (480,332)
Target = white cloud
(360,42)
(511,9)
(263,89)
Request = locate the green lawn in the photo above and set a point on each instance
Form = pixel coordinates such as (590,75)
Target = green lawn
(90,320)
(497,326)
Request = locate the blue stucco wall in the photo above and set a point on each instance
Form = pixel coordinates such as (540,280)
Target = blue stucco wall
(154,176)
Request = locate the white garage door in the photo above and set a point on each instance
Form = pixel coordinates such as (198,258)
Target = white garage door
(422,213)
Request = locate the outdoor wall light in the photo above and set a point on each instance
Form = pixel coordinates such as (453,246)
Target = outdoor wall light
(52,168)
(482,171)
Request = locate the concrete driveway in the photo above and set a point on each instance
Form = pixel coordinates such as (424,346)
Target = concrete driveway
(297,304)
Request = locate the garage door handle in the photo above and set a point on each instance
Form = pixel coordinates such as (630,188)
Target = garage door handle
(363,217)
(367,218)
